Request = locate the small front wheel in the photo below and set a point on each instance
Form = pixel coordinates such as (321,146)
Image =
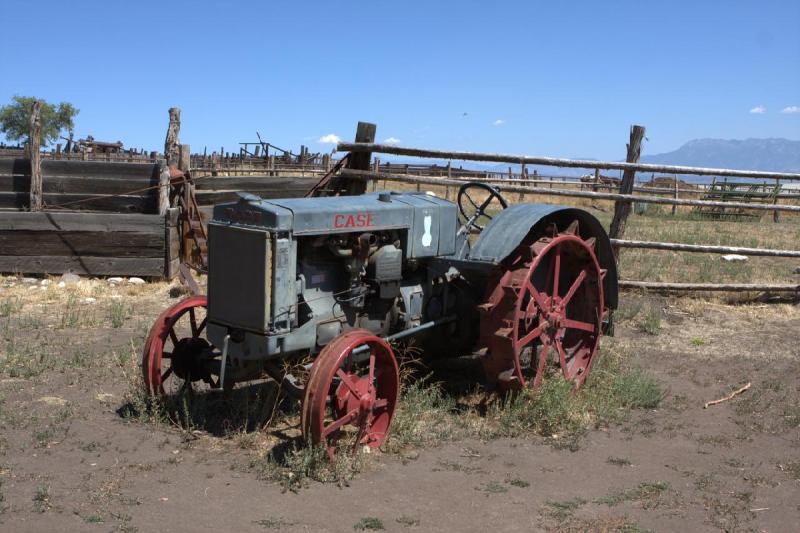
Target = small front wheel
(176,352)
(352,393)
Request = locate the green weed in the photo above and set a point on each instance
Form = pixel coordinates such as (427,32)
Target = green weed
(644,492)
(369,523)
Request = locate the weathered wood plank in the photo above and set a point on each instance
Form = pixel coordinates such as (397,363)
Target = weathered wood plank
(80,243)
(52,168)
(88,266)
(253,183)
(115,204)
(55,221)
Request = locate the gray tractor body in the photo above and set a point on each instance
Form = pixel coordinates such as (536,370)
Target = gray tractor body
(287,276)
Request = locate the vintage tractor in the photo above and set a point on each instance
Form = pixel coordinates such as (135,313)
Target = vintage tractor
(336,280)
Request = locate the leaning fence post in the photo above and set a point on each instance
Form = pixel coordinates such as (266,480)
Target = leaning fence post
(34,140)
(622,208)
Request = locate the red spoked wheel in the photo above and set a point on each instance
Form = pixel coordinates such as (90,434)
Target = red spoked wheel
(353,388)
(548,302)
(175,353)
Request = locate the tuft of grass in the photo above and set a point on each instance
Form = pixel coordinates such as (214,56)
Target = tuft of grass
(41,498)
(301,464)
(493,487)
(647,493)
(273,523)
(369,523)
(650,320)
(562,510)
(618,461)
(407,521)
(118,313)
(10,306)
(698,341)
(793,469)
(425,416)
(92,519)
(517,482)
(70,314)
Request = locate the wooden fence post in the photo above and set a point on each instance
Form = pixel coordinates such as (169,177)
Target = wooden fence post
(365,133)
(675,195)
(171,143)
(163,188)
(184,157)
(622,208)
(596,179)
(776,216)
(34,141)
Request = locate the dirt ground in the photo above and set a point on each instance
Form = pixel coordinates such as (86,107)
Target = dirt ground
(70,462)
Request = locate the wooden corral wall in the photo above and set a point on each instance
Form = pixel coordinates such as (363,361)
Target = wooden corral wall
(83,185)
(94,244)
(99,218)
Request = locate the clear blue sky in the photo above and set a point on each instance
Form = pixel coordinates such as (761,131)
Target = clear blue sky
(541,78)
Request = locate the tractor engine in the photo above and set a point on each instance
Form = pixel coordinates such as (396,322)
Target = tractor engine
(288,276)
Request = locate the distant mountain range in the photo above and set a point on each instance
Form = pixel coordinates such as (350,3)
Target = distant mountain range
(778,155)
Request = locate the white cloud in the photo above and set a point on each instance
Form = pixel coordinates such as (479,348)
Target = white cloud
(498,122)
(392,140)
(330,138)
(791,109)
(758,110)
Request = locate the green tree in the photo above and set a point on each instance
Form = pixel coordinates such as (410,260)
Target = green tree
(15,119)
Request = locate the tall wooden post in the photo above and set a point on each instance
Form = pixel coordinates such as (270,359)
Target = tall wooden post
(596,179)
(34,141)
(172,142)
(622,208)
(776,215)
(365,133)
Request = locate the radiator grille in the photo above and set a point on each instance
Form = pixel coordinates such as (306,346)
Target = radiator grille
(239,277)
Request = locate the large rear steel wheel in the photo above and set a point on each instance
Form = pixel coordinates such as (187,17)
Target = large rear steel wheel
(352,389)
(547,302)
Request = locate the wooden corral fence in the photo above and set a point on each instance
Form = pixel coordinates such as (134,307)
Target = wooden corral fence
(623,199)
(96,218)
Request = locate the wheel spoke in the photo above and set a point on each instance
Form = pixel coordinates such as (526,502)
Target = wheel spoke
(562,358)
(346,380)
(166,355)
(193,322)
(530,336)
(173,337)
(537,380)
(471,201)
(577,324)
(337,424)
(556,270)
(537,297)
(573,288)
(202,325)
(166,374)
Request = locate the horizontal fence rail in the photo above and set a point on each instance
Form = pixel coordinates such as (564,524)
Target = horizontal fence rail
(370,175)
(702,248)
(560,162)
(729,287)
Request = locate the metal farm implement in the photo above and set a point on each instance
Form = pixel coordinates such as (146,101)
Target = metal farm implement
(339,278)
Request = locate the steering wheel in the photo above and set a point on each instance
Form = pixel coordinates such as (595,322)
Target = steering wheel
(473,207)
